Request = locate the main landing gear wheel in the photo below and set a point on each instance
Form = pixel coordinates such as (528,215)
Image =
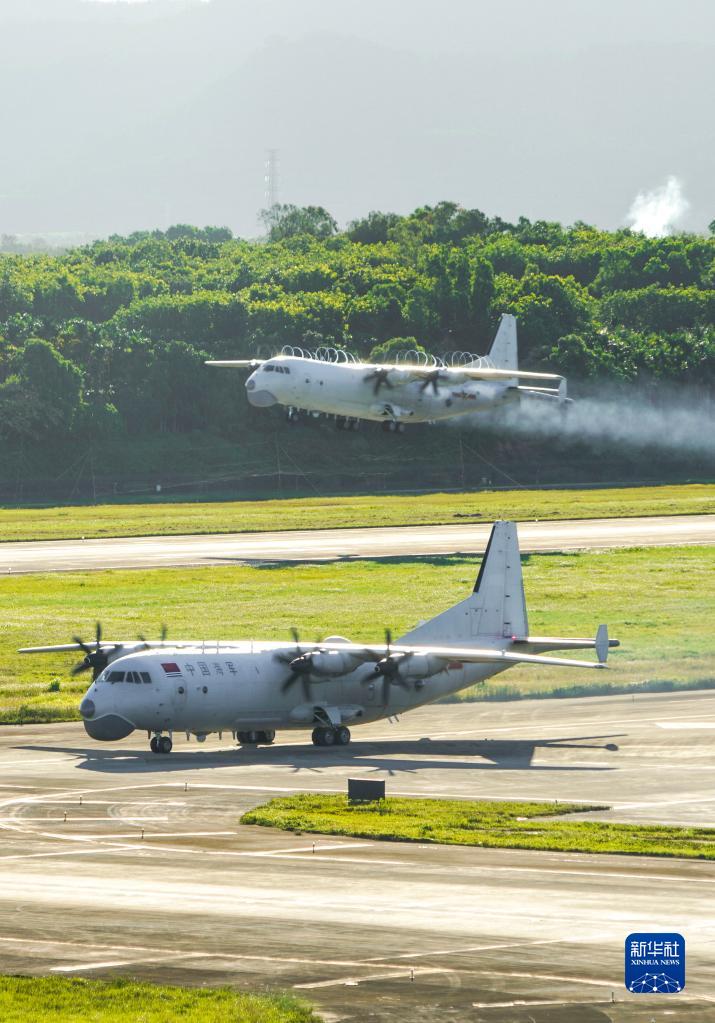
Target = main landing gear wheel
(262,738)
(154,744)
(323,736)
(160,744)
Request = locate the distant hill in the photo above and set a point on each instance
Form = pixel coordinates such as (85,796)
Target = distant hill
(121,115)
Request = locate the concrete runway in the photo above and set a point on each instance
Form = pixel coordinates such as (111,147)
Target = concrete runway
(366,930)
(330,544)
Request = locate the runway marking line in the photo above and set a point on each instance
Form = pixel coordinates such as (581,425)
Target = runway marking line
(469,948)
(79,819)
(315,848)
(420,971)
(519,1002)
(551,976)
(165,952)
(686,724)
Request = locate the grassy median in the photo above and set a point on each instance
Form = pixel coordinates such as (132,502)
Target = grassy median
(493,825)
(162,517)
(73,1000)
(649,597)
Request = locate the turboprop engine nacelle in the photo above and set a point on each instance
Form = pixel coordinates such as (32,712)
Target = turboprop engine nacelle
(422,666)
(331,663)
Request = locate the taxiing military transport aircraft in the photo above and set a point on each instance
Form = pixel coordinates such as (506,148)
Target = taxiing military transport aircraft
(329,382)
(254,688)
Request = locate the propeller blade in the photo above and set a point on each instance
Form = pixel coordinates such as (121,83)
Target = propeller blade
(433,379)
(381,378)
(292,678)
(79,668)
(164,631)
(82,644)
(98,634)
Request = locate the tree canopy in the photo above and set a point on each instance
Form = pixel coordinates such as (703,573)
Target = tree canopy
(113,335)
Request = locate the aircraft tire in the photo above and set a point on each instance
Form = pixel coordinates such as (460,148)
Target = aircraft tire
(164,744)
(317,736)
(329,737)
(154,744)
(249,738)
(342,735)
(265,738)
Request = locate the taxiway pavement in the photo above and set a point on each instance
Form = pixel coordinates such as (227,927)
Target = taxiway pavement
(332,544)
(117,861)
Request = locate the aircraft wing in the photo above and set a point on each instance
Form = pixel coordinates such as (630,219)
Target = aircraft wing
(472,656)
(469,655)
(460,374)
(238,363)
(125,644)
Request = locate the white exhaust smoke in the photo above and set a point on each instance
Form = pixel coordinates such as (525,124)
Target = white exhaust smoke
(680,422)
(657,213)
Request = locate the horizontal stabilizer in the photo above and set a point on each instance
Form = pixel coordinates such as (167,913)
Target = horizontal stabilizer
(601,644)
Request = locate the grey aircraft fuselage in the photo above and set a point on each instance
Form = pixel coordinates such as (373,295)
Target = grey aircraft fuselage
(239,687)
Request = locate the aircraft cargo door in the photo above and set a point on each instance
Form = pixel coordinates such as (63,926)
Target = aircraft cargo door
(176,683)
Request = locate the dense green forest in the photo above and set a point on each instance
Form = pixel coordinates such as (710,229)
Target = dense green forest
(102,348)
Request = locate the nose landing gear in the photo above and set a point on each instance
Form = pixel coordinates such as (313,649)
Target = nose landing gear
(160,744)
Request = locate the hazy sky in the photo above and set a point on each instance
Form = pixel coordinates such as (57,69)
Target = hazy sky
(119,116)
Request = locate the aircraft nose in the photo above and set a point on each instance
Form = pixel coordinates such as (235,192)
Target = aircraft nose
(108,728)
(259,398)
(87,708)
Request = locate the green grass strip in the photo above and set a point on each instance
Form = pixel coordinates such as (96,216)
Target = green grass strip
(166,517)
(492,825)
(649,597)
(74,1000)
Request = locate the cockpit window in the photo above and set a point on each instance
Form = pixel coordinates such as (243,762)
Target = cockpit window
(286,369)
(268,368)
(115,676)
(146,677)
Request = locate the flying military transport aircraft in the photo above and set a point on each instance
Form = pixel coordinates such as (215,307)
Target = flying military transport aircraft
(330,382)
(254,688)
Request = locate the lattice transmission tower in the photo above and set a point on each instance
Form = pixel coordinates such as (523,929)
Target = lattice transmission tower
(271,177)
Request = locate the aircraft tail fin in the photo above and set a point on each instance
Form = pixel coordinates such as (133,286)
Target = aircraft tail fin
(504,351)
(495,609)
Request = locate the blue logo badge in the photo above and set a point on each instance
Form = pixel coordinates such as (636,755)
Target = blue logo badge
(655,963)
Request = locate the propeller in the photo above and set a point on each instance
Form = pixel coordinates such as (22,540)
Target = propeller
(96,659)
(300,665)
(434,378)
(381,378)
(389,668)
